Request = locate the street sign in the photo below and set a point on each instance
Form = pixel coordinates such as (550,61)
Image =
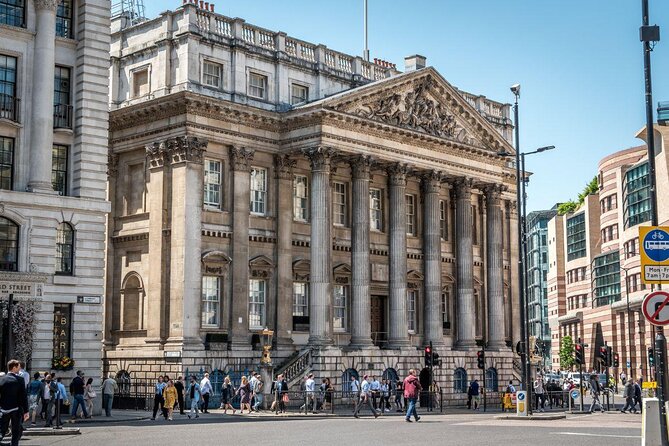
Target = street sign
(574,394)
(521,403)
(654,241)
(649,385)
(655,308)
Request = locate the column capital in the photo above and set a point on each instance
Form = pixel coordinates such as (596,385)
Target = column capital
(493,193)
(241,158)
(283,167)
(397,174)
(186,149)
(432,181)
(48,5)
(155,155)
(112,165)
(463,187)
(361,166)
(320,158)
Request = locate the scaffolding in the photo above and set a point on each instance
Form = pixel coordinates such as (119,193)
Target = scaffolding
(132,10)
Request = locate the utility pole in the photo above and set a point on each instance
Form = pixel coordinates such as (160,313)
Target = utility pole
(365,53)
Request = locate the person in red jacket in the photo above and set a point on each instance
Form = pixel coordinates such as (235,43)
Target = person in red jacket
(412,390)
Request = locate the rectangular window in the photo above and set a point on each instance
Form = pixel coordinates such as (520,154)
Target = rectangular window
(211,74)
(300,299)
(376,209)
(59,168)
(412,297)
(299,94)
(443,219)
(211,301)
(62,108)
(410,203)
(6,163)
(576,243)
(339,204)
(257,85)
(340,321)
(301,198)
(636,193)
(212,183)
(13,12)
(257,290)
(606,279)
(258,190)
(445,309)
(8,101)
(475,236)
(62,330)
(64,15)
(140,83)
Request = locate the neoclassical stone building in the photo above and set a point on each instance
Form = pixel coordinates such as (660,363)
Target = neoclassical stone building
(260,181)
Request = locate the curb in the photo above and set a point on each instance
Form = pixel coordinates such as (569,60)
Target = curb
(47,431)
(532,417)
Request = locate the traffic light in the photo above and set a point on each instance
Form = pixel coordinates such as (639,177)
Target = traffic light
(616,360)
(609,356)
(480,359)
(578,353)
(651,357)
(604,355)
(436,362)
(428,356)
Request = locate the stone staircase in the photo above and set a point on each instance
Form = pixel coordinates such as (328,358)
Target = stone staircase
(295,367)
(517,370)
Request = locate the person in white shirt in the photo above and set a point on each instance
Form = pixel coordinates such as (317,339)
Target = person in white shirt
(355,390)
(375,389)
(365,398)
(310,389)
(205,390)
(252,383)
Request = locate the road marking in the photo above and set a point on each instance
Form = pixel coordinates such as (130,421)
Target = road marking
(595,435)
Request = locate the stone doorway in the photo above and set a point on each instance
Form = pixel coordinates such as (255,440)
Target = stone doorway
(378,320)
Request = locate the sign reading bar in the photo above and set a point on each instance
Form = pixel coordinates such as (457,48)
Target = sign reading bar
(654,247)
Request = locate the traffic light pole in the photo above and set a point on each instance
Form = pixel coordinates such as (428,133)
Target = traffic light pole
(430,386)
(608,360)
(580,372)
(485,405)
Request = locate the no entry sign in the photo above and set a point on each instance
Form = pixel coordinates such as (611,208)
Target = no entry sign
(655,308)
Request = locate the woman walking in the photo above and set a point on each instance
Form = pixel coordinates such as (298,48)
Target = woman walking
(89,396)
(170,395)
(227,393)
(244,393)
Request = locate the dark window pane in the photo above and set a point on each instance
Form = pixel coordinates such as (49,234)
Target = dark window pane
(9,245)
(13,12)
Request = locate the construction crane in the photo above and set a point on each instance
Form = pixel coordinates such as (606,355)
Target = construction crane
(131,10)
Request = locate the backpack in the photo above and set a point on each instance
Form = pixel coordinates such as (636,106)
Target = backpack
(258,387)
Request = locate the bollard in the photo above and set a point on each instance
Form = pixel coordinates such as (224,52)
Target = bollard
(650,428)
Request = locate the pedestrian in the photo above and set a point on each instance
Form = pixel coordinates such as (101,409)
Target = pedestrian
(109,388)
(58,397)
(179,386)
(385,395)
(13,402)
(637,395)
(375,388)
(623,378)
(77,388)
(355,390)
(595,391)
(195,396)
(45,392)
(206,389)
(23,374)
(474,390)
(252,383)
(327,390)
(310,389)
(469,397)
(399,396)
(244,392)
(158,396)
(257,392)
(89,396)
(412,388)
(170,397)
(628,394)
(34,393)
(282,392)
(539,396)
(227,393)
(365,398)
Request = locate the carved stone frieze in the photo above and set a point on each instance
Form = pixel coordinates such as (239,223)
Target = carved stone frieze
(284,166)
(241,158)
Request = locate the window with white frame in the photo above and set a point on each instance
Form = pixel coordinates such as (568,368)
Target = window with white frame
(211,74)
(443,219)
(211,301)
(300,299)
(339,203)
(412,297)
(140,83)
(300,198)
(257,86)
(257,294)
(258,190)
(376,209)
(299,94)
(212,183)
(410,203)
(340,307)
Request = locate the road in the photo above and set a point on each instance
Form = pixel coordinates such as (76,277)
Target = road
(467,428)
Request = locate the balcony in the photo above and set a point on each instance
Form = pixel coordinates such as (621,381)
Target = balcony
(62,116)
(10,107)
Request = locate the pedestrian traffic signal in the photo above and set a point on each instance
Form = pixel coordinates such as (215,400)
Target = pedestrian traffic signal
(651,357)
(604,355)
(428,356)
(480,359)
(578,353)
(616,360)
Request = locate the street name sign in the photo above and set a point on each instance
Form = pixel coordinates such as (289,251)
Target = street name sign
(655,308)
(654,249)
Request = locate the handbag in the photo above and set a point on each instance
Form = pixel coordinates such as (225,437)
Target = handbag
(285,398)
(92,394)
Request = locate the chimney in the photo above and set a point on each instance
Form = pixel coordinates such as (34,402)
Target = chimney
(211,5)
(415,62)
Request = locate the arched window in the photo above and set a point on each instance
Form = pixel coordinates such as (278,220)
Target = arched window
(391,374)
(9,245)
(460,380)
(346,381)
(64,249)
(491,380)
(132,311)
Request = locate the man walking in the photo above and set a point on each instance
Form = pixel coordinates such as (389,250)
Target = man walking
(637,396)
(310,389)
(45,393)
(109,388)
(539,396)
(355,391)
(13,402)
(474,391)
(179,386)
(158,397)
(595,391)
(195,395)
(365,398)
(257,392)
(375,387)
(628,394)
(412,389)
(77,389)
(206,389)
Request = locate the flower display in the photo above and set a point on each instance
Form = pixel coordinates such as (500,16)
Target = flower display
(62,363)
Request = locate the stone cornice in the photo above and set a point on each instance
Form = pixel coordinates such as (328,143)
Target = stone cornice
(7,276)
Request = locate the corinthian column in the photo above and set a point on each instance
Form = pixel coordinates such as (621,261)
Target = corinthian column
(434,331)
(241,179)
(465,258)
(397,181)
(494,268)
(320,286)
(41,130)
(361,335)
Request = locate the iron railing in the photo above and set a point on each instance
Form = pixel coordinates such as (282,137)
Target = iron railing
(62,116)
(10,106)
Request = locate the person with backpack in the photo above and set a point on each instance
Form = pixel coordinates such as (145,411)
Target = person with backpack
(475,393)
(595,391)
(257,393)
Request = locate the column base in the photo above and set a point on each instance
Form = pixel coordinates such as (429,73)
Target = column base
(360,343)
(319,340)
(497,345)
(465,345)
(41,188)
(398,344)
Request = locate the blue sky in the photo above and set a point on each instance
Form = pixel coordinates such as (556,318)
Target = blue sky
(580,64)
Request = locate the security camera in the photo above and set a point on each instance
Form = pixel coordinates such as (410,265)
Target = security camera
(515,89)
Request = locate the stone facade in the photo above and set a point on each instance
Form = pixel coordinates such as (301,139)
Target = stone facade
(53,202)
(354,210)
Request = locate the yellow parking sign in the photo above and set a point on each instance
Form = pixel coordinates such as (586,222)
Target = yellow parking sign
(654,247)
(649,384)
